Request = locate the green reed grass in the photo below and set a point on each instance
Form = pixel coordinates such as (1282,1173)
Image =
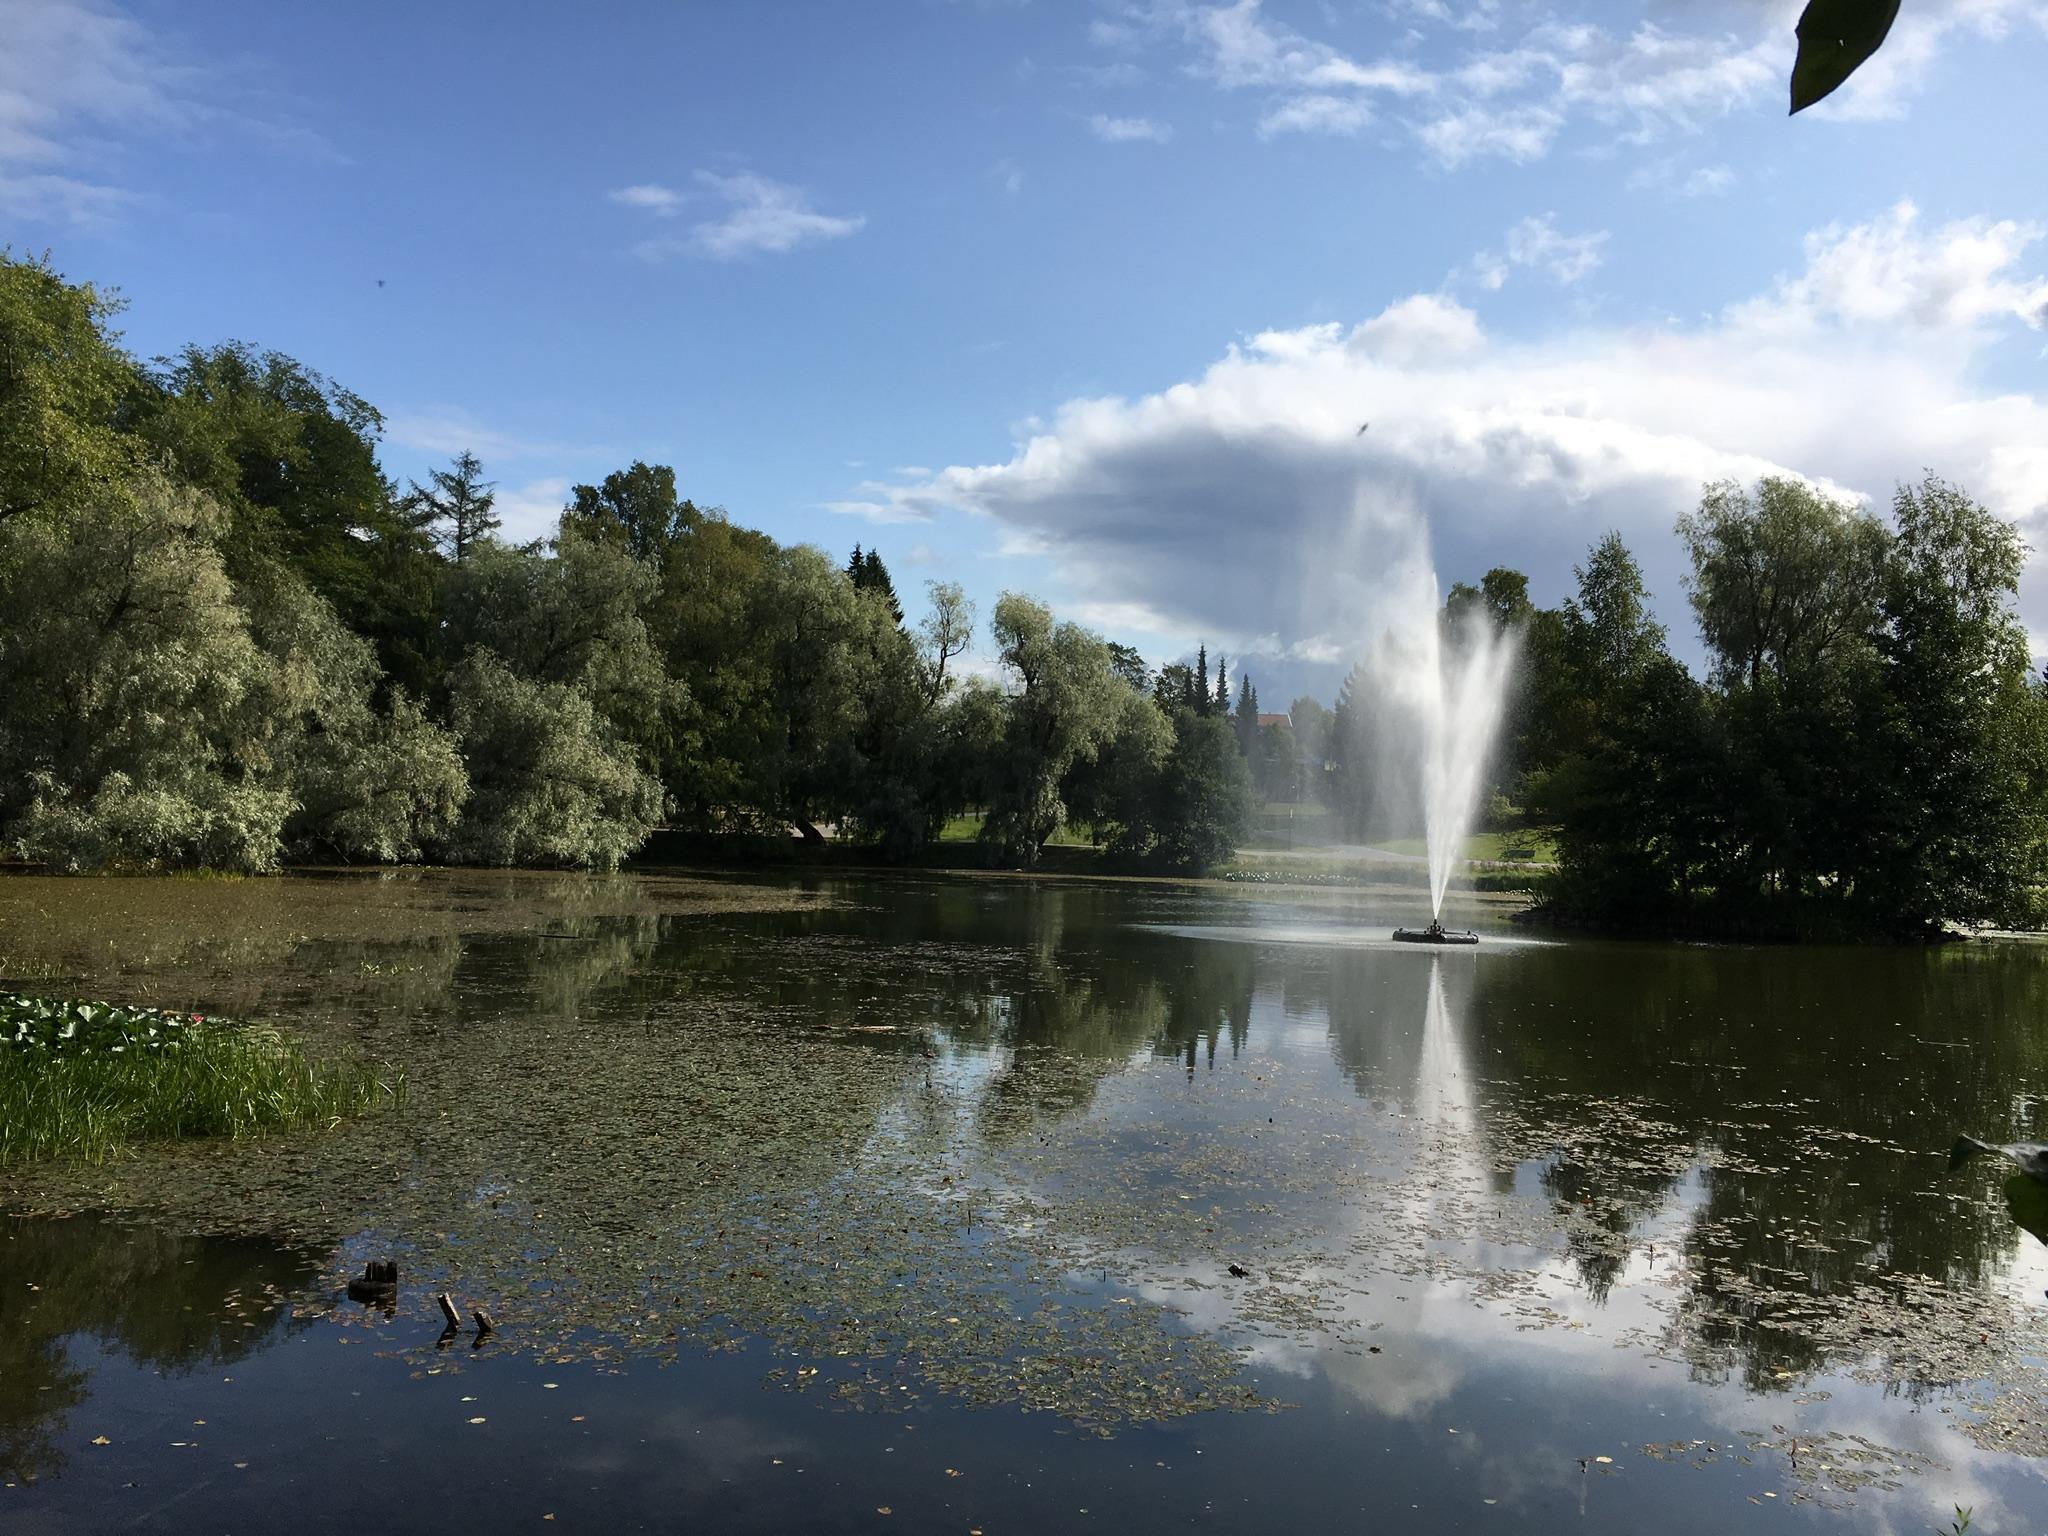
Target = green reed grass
(87,1093)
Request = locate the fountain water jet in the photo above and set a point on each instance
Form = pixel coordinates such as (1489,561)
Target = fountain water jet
(1460,691)
(1444,694)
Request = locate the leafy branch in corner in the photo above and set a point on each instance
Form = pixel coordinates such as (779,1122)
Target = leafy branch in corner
(1835,37)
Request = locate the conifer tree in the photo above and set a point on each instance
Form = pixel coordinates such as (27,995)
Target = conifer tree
(1221,706)
(457,510)
(870,575)
(1200,702)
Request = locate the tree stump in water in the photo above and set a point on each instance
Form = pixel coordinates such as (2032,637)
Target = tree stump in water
(377,1283)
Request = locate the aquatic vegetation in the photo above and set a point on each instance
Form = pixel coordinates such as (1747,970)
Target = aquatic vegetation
(996,1143)
(82,1079)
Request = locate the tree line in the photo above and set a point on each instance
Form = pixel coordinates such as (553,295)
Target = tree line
(1867,754)
(232,640)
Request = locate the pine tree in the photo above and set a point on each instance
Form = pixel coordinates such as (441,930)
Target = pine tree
(1247,721)
(1221,706)
(1200,702)
(1348,752)
(870,575)
(458,508)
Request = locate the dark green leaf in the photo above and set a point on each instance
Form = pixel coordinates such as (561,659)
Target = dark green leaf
(1835,37)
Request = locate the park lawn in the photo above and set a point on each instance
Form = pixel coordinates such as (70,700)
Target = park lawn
(965,829)
(1296,810)
(1488,847)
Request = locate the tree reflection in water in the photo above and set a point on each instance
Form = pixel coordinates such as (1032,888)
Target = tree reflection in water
(170,1303)
(1767,1119)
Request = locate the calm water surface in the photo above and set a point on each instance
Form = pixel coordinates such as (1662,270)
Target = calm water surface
(995,1205)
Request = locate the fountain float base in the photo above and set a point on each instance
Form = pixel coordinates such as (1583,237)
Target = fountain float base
(1435,933)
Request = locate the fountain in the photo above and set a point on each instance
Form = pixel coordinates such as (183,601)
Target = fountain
(1445,694)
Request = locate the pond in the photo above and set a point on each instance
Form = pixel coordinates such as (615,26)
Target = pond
(954,1203)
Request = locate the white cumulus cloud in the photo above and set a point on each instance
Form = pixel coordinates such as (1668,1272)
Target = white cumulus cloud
(1261,499)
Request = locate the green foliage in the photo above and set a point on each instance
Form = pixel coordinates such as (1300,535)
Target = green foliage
(1065,703)
(49,1025)
(383,786)
(1193,808)
(572,618)
(1245,722)
(292,457)
(1276,763)
(1609,633)
(263,651)
(1311,725)
(712,580)
(63,381)
(1501,599)
(1125,661)
(1783,578)
(133,727)
(636,510)
(868,574)
(1116,790)
(1835,37)
(455,507)
(80,1080)
(550,782)
(1351,785)
(1872,757)
(1965,734)
(160,717)
(945,633)
(830,674)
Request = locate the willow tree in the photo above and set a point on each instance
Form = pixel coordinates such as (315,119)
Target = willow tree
(380,784)
(560,703)
(131,692)
(63,383)
(550,783)
(1064,702)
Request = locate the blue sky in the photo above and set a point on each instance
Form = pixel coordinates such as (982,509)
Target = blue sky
(1089,299)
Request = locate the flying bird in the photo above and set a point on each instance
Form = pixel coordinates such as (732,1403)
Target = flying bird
(380,282)
(1361,431)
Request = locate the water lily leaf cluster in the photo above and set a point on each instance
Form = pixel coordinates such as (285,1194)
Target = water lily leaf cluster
(74,1027)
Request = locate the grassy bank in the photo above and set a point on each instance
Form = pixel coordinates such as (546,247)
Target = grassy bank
(81,1079)
(1485,848)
